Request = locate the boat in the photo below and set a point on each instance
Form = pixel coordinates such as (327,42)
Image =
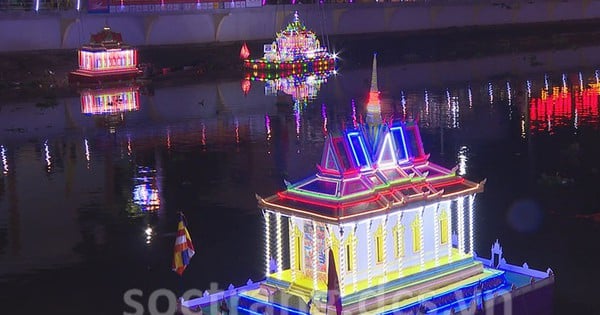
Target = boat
(380,229)
(295,49)
(105,59)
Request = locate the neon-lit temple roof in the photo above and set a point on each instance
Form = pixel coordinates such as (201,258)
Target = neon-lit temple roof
(106,40)
(370,170)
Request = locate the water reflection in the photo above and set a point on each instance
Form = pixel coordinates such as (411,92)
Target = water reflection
(110,104)
(145,191)
(562,107)
(217,141)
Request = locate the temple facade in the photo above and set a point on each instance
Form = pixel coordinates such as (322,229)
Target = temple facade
(386,211)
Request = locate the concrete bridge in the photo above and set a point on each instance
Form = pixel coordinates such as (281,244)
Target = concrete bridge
(21,31)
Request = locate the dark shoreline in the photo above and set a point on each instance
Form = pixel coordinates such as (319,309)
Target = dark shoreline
(43,74)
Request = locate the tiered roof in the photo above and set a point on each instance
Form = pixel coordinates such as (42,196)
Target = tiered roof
(369,171)
(106,40)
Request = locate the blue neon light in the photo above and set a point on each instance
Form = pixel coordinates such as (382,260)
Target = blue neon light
(445,293)
(359,151)
(266,303)
(398,134)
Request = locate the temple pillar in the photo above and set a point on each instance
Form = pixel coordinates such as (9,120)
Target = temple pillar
(400,244)
(471,223)
(369,254)
(279,243)
(436,238)
(267,243)
(420,216)
(314,256)
(449,229)
(461,224)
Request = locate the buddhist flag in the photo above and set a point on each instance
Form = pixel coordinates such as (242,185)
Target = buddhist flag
(184,249)
(334,297)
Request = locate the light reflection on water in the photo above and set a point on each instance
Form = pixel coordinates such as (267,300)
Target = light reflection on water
(79,184)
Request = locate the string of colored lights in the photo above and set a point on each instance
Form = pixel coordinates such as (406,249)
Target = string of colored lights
(279,245)
(342,268)
(461,223)
(4,160)
(448,209)
(292,246)
(471,227)
(384,241)
(267,244)
(354,260)
(369,254)
(314,256)
(400,245)
(436,233)
(421,239)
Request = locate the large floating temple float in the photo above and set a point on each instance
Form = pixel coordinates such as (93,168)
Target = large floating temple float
(106,58)
(401,230)
(295,49)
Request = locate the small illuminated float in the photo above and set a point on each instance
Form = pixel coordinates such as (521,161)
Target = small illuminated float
(106,58)
(399,229)
(295,49)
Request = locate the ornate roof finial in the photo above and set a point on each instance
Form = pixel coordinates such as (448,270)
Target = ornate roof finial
(373,104)
(374,75)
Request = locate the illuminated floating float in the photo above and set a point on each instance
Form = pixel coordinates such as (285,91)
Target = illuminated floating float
(295,49)
(400,229)
(106,58)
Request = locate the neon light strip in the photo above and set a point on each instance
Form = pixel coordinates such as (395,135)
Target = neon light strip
(78,5)
(400,236)
(279,247)
(471,235)
(384,241)
(267,244)
(369,255)
(37,5)
(354,241)
(267,303)
(48,158)
(448,207)
(404,148)
(461,224)
(4,160)
(314,256)
(292,240)
(342,268)
(364,150)
(436,231)
(421,238)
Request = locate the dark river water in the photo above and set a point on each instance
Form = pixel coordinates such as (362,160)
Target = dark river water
(89,202)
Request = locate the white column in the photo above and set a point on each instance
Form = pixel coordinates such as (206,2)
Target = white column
(267,243)
(384,241)
(461,224)
(353,261)
(449,243)
(471,219)
(315,252)
(400,238)
(436,231)
(279,243)
(369,254)
(342,266)
(421,238)
(292,237)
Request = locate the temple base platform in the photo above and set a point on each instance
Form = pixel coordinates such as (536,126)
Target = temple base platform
(87,77)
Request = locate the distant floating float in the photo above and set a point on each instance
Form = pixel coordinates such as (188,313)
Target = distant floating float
(106,58)
(295,49)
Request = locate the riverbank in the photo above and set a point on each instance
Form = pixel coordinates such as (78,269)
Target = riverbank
(43,75)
